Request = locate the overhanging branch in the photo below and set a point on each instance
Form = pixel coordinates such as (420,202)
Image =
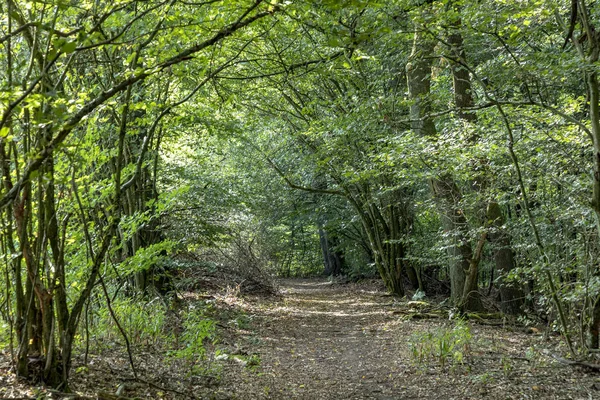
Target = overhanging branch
(292,185)
(89,107)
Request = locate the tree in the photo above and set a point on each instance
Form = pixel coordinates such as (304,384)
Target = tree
(407,136)
(463,269)
(47,128)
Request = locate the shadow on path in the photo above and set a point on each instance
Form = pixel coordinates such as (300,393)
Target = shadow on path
(332,341)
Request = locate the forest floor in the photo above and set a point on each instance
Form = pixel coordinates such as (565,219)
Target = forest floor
(324,340)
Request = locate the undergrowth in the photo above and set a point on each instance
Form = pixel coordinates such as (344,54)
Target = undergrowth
(446,345)
(184,335)
(4,335)
(198,331)
(143,323)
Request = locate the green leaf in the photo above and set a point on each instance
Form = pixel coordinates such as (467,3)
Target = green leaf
(4,132)
(69,47)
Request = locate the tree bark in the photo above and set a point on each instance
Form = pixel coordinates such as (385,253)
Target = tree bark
(589,51)
(445,190)
(333,259)
(511,295)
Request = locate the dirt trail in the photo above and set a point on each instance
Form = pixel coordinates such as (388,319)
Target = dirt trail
(327,341)
(330,341)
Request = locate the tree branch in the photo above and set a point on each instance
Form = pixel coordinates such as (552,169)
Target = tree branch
(88,108)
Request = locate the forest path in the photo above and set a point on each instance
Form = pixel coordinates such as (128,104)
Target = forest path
(331,341)
(326,341)
(323,340)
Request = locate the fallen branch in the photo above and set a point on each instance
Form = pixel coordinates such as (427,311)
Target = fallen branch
(482,316)
(590,366)
(413,315)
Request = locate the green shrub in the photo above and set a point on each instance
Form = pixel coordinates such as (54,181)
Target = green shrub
(198,330)
(4,335)
(143,323)
(446,345)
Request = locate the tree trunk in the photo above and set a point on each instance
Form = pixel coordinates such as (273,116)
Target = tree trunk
(461,79)
(594,330)
(388,252)
(414,277)
(333,259)
(445,190)
(589,50)
(470,299)
(511,295)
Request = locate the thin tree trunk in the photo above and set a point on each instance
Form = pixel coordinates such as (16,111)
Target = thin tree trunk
(591,55)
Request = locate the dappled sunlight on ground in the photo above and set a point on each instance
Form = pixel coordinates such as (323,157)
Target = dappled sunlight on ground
(324,340)
(337,301)
(330,341)
(299,312)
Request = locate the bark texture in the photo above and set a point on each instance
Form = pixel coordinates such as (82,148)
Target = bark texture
(445,190)
(511,295)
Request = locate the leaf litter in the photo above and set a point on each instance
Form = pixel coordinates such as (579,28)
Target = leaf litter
(325,340)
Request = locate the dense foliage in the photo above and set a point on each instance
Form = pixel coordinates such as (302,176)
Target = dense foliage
(449,147)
